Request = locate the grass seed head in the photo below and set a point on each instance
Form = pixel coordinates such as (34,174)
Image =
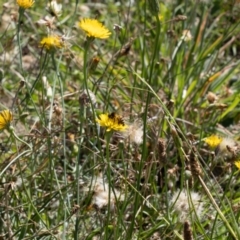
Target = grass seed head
(187,231)
(111,122)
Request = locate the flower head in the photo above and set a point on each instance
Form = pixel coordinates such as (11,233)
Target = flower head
(103,194)
(87,97)
(111,122)
(94,28)
(135,133)
(25,3)
(237,164)
(226,146)
(213,141)
(186,35)
(52,42)
(186,204)
(47,21)
(5,118)
(54,8)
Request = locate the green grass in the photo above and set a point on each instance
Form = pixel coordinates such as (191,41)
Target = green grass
(62,176)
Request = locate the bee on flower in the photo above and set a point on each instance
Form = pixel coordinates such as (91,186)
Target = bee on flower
(52,42)
(111,121)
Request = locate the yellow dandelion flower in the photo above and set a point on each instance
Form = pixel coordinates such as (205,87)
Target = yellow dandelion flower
(161,17)
(52,42)
(5,118)
(237,164)
(111,122)
(25,3)
(213,141)
(94,28)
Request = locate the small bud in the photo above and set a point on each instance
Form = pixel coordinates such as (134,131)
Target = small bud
(117,28)
(57,109)
(180,18)
(86,97)
(22,83)
(194,164)
(93,63)
(211,97)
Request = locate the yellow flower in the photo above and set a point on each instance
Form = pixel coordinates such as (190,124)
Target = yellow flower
(111,122)
(237,164)
(94,28)
(5,118)
(52,42)
(161,17)
(213,141)
(25,3)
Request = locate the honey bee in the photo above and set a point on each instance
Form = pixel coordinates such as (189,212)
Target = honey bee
(116,118)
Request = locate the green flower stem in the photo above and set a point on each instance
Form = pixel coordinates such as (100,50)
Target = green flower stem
(77,173)
(82,116)
(86,69)
(60,81)
(17,138)
(21,12)
(25,153)
(85,73)
(85,60)
(108,138)
(43,65)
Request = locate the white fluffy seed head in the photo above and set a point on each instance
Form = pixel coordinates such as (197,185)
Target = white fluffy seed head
(187,204)
(134,133)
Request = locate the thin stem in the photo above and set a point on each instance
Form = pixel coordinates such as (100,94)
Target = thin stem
(21,11)
(217,208)
(19,139)
(108,138)
(25,153)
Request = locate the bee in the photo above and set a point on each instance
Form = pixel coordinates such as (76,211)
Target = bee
(112,115)
(116,118)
